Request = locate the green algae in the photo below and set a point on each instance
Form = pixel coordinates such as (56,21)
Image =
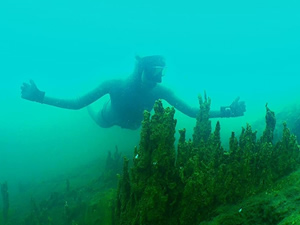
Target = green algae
(187,188)
(199,182)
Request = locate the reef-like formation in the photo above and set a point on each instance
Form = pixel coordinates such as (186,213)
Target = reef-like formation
(165,186)
(113,166)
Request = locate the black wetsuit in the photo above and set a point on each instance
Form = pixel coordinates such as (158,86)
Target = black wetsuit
(128,97)
(128,100)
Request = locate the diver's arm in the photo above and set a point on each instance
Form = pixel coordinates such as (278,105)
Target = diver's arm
(179,104)
(215,114)
(236,108)
(32,93)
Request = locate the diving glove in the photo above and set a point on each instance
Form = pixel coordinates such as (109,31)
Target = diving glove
(236,109)
(31,92)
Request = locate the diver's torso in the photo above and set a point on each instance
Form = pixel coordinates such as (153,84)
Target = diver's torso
(127,104)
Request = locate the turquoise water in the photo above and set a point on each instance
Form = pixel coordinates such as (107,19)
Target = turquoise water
(229,49)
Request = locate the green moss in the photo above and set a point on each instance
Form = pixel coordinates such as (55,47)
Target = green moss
(270,126)
(202,129)
(163,189)
(200,183)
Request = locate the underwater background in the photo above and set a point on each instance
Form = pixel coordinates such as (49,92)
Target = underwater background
(249,49)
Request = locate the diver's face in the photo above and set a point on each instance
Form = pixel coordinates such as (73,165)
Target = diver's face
(154,73)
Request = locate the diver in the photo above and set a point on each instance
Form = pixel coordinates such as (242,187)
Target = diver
(129,97)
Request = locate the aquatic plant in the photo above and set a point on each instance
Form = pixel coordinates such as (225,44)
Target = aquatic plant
(161,188)
(291,116)
(187,185)
(86,205)
(147,195)
(113,166)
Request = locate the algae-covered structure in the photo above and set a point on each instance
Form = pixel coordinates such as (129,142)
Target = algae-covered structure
(196,182)
(186,185)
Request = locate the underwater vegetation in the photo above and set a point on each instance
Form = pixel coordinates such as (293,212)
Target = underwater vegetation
(113,166)
(291,114)
(197,182)
(83,196)
(91,204)
(165,186)
(72,204)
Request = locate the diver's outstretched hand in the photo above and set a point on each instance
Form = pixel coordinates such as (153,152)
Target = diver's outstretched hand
(236,109)
(30,92)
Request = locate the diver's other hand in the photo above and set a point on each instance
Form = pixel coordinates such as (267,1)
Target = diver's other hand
(30,92)
(236,109)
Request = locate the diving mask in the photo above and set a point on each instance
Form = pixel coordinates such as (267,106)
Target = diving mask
(155,73)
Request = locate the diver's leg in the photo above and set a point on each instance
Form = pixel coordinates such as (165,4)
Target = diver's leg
(92,113)
(104,117)
(97,117)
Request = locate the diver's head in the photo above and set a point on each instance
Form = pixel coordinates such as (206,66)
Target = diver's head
(152,68)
